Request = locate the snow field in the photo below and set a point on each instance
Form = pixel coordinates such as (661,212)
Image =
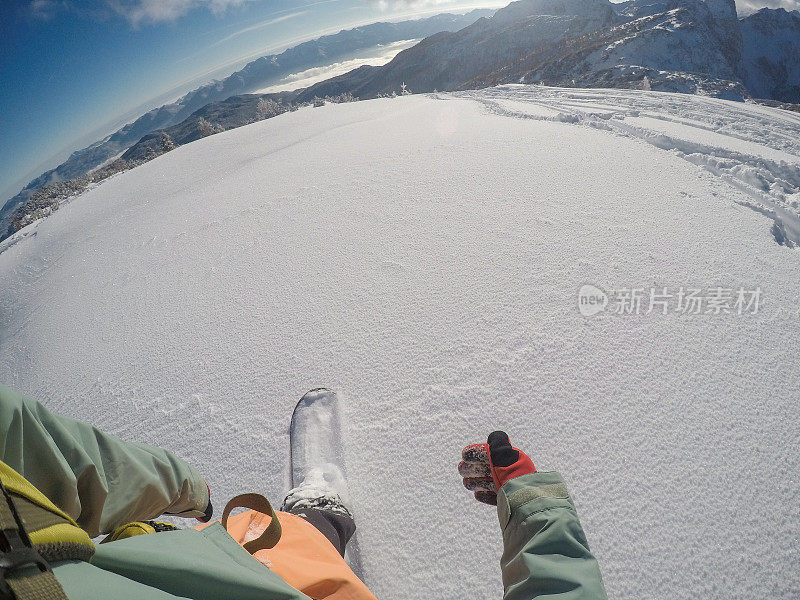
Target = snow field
(754,148)
(422,257)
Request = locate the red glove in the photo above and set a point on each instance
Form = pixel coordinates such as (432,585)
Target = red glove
(486,467)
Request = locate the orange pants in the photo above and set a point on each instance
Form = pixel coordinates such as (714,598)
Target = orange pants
(303,557)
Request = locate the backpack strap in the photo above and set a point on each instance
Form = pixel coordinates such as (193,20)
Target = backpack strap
(24,574)
(34,532)
(258,503)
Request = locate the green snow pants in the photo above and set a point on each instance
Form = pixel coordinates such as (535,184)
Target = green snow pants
(102,482)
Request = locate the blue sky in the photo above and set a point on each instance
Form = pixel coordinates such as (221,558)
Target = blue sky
(72,71)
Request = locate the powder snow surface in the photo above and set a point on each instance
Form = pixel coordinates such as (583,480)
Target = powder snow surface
(422,256)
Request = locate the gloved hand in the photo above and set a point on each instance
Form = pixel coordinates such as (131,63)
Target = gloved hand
(486,467)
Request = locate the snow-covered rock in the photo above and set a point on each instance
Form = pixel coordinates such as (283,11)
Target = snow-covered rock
(771,54)
(423,256)
(689,46)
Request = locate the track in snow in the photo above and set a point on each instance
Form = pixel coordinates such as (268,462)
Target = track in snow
(739,143)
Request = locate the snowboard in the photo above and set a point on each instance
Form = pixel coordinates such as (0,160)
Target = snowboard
(317,454)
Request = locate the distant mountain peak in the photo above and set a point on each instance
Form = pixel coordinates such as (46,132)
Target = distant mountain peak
(523,8)
(725,9)
(777,14)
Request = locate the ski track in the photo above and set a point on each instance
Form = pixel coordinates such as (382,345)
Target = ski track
(773,186)
(421,256)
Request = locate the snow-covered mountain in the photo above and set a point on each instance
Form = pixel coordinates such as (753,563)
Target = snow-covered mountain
(449,60)
(423,257)
(687,46)
(693,46)
(692,36)
(771,54)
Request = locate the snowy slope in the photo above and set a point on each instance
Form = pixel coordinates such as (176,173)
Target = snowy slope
(422,256)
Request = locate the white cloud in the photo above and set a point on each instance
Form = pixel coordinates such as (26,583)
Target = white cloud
(745,7)
(377,56)
(45,9)
(261,25)
(156,11)
(400,4)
